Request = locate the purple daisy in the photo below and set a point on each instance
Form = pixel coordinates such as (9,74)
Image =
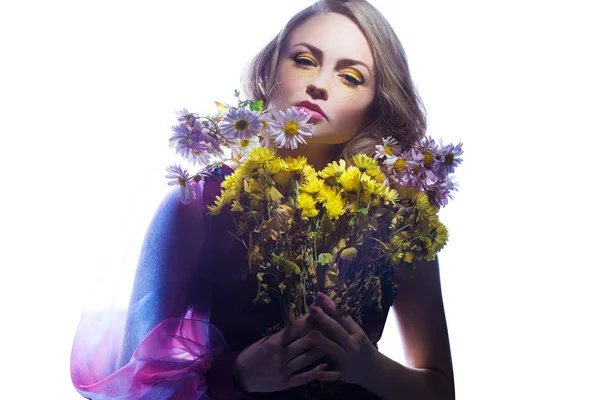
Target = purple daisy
(181,139)
(240,124)
(441,192)
(448,159)
(182,178)
(289,128)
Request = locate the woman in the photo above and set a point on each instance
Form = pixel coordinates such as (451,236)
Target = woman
(342,62)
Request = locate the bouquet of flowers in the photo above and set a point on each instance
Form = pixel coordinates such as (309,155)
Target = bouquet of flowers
(340,230)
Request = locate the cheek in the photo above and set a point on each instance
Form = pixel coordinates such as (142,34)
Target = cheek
(291,81)
(352,110)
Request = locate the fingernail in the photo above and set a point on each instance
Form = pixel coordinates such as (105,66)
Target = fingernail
(321,296)
(312,310)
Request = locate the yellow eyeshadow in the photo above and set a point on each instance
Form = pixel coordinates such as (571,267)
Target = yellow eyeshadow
(355,75)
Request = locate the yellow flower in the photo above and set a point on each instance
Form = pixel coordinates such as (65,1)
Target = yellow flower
(441,237)
(377,175)
(220,202)
(368,184)
(364,162)
(274,166)
(260,156)
(307,203)
(332,200)
(425,209)
(233,182)
(308,173)
(389,195)
(293,164)
(333,169)
(312,185)
(349,179)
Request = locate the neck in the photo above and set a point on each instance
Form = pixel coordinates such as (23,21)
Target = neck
(318,155)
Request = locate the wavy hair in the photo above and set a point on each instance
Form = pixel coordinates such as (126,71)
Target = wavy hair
(397,108)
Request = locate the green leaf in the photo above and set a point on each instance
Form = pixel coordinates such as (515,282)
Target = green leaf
(236,93)
(363,210)
(256,105)
(325,259)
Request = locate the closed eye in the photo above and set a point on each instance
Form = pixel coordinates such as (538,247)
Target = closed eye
(350,80)
(305,61)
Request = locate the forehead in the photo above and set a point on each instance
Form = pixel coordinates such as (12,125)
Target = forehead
(334,34)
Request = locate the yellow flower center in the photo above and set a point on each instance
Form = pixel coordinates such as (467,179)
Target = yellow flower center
(291,128)
(428,159)
(181,182)
(388,150)
(244,142)
(241,125)
(264,124)
(400,164)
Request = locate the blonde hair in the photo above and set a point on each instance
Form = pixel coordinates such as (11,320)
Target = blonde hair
(397,109)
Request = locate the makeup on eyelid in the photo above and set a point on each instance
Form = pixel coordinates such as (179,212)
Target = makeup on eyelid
(301,62)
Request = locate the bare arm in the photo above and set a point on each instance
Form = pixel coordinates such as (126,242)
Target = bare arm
(419,311)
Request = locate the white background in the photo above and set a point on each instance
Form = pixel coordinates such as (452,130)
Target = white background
(88,92)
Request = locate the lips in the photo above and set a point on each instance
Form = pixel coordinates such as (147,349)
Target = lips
(313,109)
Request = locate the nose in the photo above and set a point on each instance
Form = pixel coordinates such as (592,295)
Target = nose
(317,92)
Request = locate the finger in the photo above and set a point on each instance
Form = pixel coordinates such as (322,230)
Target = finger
(330,308)
(298,347)
(304,360)
(329,376)
(297,328)
(305,377)
(330,326)
(328,346)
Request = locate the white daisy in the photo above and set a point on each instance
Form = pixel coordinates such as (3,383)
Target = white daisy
(289,128)
(243,147)
(389,148)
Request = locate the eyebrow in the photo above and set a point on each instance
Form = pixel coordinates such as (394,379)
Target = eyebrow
(345,62)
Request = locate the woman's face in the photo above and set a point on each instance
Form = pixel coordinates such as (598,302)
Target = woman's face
(327,62)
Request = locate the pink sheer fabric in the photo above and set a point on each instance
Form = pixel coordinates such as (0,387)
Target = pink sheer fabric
(170,363)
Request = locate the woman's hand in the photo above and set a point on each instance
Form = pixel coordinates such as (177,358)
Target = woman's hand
(270,364)
(350,349)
